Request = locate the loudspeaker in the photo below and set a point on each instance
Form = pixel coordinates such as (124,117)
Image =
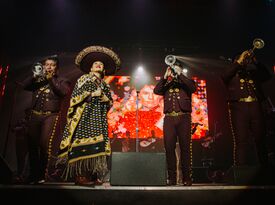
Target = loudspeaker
(5,172)
(247,175)
(138,168)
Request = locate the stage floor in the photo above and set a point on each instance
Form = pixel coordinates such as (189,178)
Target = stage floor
(68,193)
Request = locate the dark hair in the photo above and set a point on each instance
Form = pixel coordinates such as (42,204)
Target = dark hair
(53,58)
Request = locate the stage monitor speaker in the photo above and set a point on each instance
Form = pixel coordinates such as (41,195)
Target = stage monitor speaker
(5,172)
(247,175)
(138,168)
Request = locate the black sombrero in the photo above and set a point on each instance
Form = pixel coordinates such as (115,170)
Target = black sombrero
(85,59)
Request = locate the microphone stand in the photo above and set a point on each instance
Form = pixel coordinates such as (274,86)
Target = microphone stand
(137,130)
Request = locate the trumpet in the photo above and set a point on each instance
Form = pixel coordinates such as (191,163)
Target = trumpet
(37,69)
(38,72)
(257,44)
(170,60)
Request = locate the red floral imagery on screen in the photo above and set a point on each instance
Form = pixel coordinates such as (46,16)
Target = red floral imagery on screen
(199,109)
(122,116)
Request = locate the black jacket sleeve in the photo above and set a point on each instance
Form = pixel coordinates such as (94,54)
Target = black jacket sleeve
(161,87)
(231,72)
(60,86)
(186,82)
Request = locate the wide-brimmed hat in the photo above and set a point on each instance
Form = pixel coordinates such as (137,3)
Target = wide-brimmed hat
(85,59)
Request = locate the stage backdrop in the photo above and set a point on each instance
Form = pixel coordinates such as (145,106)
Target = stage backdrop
(146,113)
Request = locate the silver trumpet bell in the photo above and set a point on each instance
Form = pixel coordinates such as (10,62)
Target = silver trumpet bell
(37,69)
(258,43)
(170,60)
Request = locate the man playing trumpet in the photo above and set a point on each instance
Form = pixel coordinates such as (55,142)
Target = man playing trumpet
(48,90)
(177,89)
(243,81)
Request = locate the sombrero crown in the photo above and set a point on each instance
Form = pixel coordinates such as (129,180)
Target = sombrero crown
(85,59)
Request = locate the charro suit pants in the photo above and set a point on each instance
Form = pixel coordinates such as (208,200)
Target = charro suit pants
(248,130)
(40,129)
(178,127)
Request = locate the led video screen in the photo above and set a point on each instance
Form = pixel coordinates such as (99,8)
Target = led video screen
(140,114)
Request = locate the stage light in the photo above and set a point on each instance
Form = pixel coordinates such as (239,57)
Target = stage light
(185,71)
(140,77)
(140,69)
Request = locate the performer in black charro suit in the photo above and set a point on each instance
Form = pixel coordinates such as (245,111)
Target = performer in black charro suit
(177,90)
(48,90)
(245,95)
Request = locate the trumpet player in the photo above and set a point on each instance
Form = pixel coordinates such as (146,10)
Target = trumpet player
(48,89)
(243,81)
(177,90)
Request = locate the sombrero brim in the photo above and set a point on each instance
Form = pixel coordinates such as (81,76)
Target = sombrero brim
(89,55)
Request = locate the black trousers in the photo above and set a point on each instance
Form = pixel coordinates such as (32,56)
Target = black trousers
(178,127)
(21,151)
(41,129)
(248,130)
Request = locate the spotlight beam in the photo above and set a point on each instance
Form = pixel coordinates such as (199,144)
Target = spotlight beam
(199,62)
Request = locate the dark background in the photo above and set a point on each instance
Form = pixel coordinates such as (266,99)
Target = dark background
(141,32)
(213,27)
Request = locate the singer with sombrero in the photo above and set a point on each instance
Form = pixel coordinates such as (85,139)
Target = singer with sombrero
(85,144)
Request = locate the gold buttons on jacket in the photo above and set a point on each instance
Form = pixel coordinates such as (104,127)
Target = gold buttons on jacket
(171,90)
(251,81)
(242,80)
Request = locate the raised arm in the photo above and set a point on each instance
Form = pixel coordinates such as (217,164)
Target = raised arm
(59,85)
(186,82)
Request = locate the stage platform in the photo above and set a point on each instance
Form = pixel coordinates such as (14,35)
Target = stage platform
(68,193)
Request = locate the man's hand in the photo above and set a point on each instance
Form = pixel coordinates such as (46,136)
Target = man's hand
(243,59)
(168,73)
(178,70)
(49,75)
(104,98)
